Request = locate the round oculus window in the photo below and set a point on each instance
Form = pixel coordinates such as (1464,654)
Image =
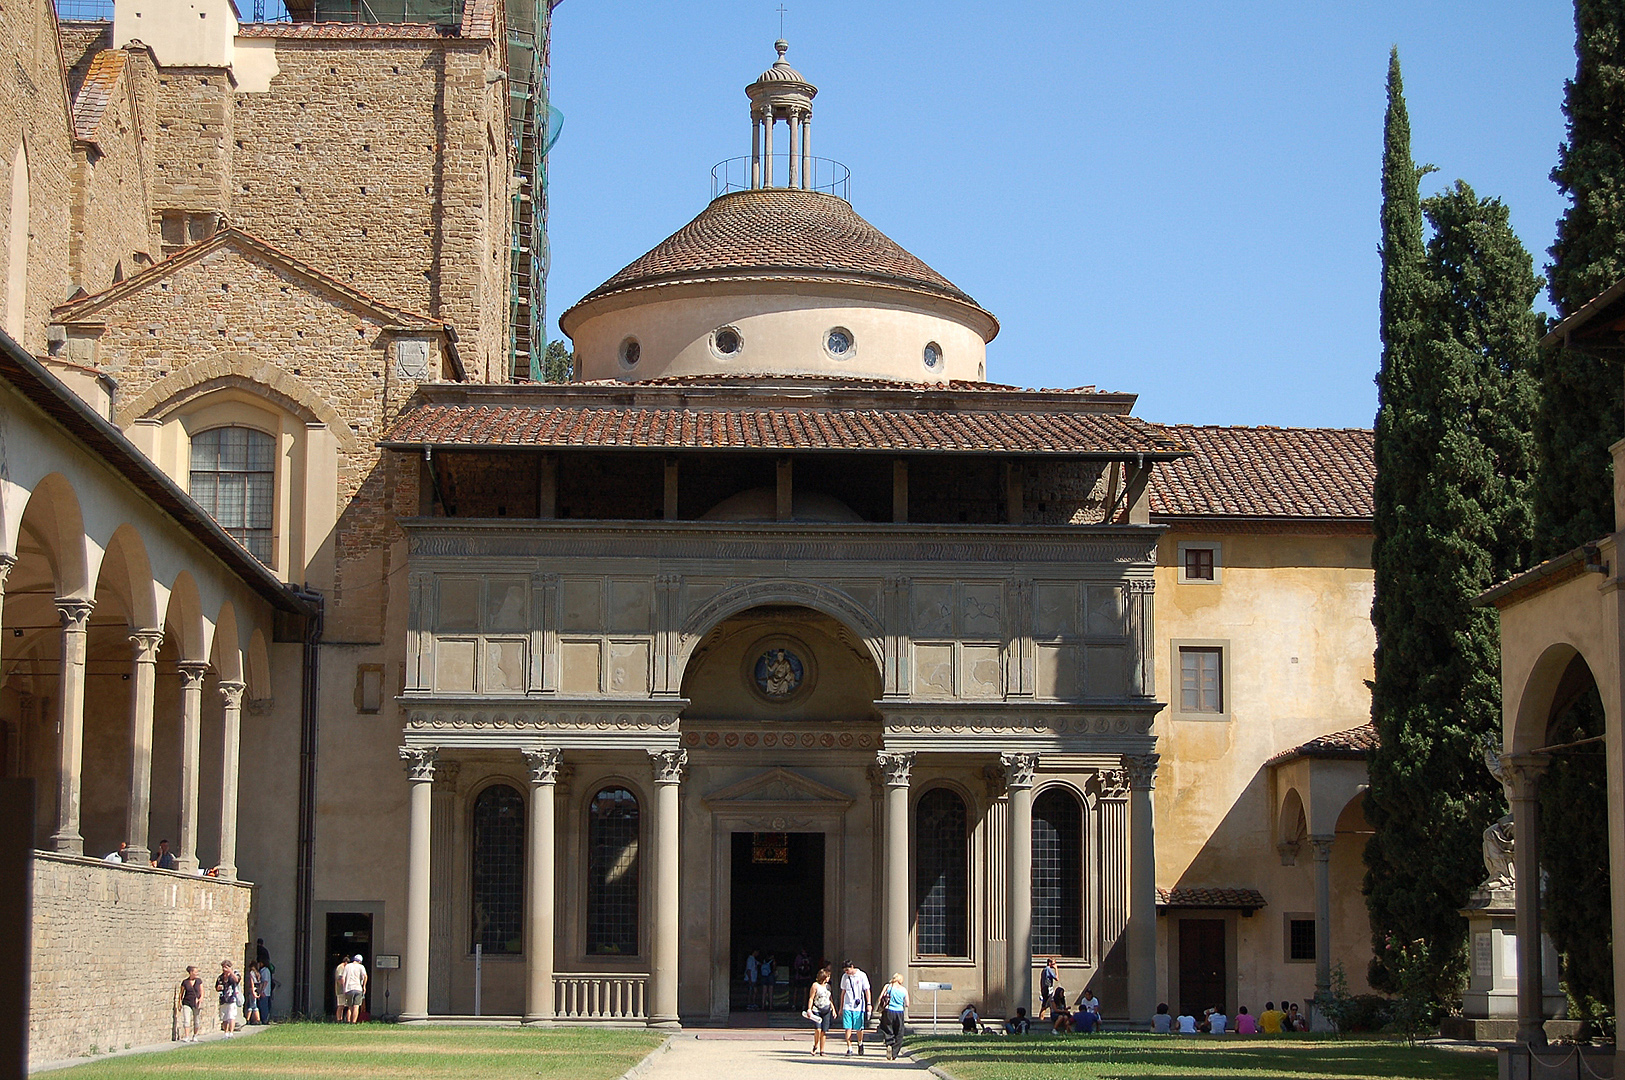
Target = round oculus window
(631,352)
(839,343)
(933,355)
(727,341)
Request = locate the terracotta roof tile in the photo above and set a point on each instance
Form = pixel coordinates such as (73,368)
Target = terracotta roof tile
(1353,743)
(1267,472)
(783,234)
(1210,898)
(479,18)
(90,103)
(339,31)
(779,428)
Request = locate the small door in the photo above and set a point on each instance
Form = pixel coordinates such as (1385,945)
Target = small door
(1203,979)
(349,934)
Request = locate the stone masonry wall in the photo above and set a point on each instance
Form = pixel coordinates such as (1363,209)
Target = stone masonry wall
(111,944)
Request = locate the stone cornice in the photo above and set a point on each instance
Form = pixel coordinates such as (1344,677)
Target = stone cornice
(432,539)
(1028,727)
(521,724)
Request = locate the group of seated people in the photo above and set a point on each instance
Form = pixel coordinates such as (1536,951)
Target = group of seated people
(1271,1021)
(1083,1015)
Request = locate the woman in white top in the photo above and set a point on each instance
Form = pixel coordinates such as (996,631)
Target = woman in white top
(821,1006)
(1187,1024)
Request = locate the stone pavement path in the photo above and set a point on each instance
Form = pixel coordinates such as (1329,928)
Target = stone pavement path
(757,1057)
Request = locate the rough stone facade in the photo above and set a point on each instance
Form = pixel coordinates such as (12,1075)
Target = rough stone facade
(130,932)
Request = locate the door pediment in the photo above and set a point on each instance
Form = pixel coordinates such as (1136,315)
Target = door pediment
(777,789)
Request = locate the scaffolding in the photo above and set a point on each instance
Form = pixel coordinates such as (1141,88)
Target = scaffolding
(535,127)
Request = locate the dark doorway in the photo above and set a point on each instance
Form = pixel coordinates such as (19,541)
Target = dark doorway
(1202,976)
(349,933)
(778,909)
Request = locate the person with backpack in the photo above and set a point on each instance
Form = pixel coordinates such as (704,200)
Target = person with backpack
(893,1009)
(230,988)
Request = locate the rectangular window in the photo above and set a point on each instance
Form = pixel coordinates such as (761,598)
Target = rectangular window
(1300,940)
(1201,681)
(1198,564)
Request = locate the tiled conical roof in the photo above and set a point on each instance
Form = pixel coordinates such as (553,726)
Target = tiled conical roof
(784,234)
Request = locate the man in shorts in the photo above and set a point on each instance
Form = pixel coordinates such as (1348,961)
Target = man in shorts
(352,989)
(190,997)
(855,999)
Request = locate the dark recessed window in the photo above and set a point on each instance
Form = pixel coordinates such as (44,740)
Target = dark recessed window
(933,356)
(631,352)
(497,916)
(1301,939)
(728,341)
(1057,874)
(840,343)
(612,873)
(233,476)
(941,875)
(1198,564)
(1201,679)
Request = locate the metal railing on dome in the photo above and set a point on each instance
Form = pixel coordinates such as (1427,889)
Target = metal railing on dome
(823,174)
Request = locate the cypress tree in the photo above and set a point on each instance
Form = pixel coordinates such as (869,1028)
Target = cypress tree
(1456,398)
(1582,404)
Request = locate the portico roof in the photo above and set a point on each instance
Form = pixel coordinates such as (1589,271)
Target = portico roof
(784,415)
(1353,744)
(1245,899)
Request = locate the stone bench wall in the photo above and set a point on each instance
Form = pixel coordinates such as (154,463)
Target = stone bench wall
(111,944)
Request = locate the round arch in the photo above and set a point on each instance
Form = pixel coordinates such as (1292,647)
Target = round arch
(126,570)
(1540,693)
(255,377)
(1292,823)
(821,598)
(184,619)
(225,646)
(257,667)
(52,521)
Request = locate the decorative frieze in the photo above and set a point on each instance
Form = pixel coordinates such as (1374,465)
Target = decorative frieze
(538,720)
(788,739)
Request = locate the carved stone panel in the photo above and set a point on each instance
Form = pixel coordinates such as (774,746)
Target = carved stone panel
(1055,610)
(580,667)
(505,664)
(459,603)
(454,666)
(984,672)
(630,605)
(1108,611)
(629,667)
(509,604)
(933,609)
(934,670)
(1107,667)
(583,605)
(982,611)
(1058,671)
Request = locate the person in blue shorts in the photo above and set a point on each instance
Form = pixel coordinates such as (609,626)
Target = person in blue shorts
(855,999)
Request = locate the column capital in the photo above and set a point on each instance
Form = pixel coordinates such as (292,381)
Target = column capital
(6,563)
(993,781)
(231,691)
(192,673)
(1142,770)
(668,765)
(74,612)
(1140,585)
(1322,843)
(147,643)
(1113,783)
(543,762)
(419,762)
(894,767)
(1523,773)
(1018,770)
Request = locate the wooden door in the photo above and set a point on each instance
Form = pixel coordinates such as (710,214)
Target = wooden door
(1203,979)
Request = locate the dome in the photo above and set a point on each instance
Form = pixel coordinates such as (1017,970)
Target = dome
(781,71)
(780,234)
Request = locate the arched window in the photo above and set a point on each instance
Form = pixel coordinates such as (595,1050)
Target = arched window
(233,474)
(497,917)
(1057,874)
(941,875)
(612,873)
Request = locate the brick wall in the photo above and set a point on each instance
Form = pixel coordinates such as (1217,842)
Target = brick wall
(112,942)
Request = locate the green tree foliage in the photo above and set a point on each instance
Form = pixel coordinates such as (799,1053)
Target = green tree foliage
(1574,818)
(1456,398)
(558,363)
(1582,404)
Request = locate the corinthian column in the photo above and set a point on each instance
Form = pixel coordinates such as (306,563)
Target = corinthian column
(544,776)
(1142,886)
(894,770)
(146,643)
(231,694)
(415,989)
(1524,771)
(75,613)
(668,768)
(1018,976)
(192,673)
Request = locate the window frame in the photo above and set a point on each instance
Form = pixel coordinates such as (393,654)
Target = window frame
(270,528)
(967,954)
(474,798)
(640,800)
(1288,918)
(1177,709)
(1201,545)
(1082,882)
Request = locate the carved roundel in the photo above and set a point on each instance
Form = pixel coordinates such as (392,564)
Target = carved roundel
(779,669)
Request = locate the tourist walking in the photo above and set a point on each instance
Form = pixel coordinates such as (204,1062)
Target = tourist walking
(894,1007)
(251,998)
(855,1001)
(189,1002)
(230,988)
(1046,986)
(352,989)
(820,1010)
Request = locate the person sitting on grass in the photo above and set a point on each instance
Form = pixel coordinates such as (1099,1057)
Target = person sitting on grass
(1085,1019)
(1270,1020)
(1246,1024)
(1062,1022)
(1162,1023)
(1186,1024)
(1216,1022)
(969,1021)
(1018,1024)
(1295,1021)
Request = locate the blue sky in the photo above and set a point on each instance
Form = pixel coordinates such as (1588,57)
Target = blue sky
(1173,199)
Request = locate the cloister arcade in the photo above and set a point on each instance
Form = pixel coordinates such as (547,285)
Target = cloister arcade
(128,649)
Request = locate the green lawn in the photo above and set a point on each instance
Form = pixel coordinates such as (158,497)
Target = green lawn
(1107,1057)
(389,1051)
